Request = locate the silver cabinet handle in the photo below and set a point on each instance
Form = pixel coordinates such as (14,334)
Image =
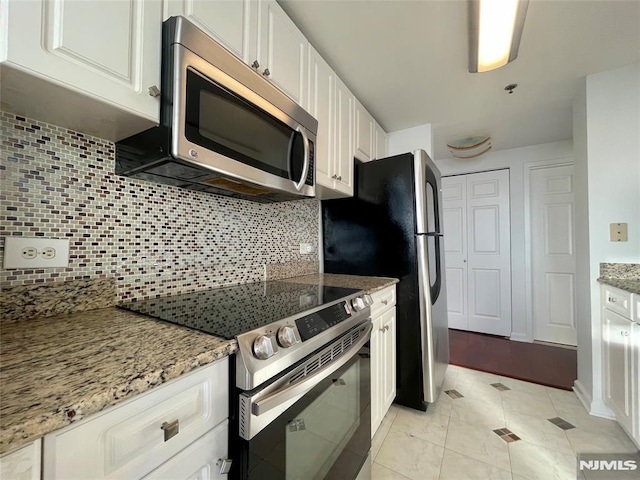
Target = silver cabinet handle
(154,91)
(613,300)
(255,64)
(386,327)
(384,302)
(624,334)
(339,178)
(381,329)
(266,72)
(171,429)
(334,176)
(225,465)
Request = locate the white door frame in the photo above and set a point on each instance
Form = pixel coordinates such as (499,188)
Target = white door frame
(528,167)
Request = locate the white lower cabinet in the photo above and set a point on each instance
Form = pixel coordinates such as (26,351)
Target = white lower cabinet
(620,352)
(134,439)
(383,355)
(23,464)
(199,461)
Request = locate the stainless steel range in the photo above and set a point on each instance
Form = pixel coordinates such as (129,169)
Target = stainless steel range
(300,406)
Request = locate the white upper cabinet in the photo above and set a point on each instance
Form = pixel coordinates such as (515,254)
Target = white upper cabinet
(322,99)
(381,142)
(106,51)
(227,22)
(344,144)
(281,51)
(364,133)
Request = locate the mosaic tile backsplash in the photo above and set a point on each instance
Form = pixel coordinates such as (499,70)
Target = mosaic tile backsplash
(154,240)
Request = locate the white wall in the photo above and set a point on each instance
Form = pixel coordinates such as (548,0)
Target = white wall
(613,160)
(411,139)
(515,160)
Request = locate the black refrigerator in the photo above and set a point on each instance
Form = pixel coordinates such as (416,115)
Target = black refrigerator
(392,227)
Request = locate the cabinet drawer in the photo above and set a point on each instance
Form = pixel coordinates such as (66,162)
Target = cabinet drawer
(382,300)
(617,301)
(198,460)
(127,441)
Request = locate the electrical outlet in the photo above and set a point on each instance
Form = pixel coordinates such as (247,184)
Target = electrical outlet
(307,248)
(618,232)
(35,252)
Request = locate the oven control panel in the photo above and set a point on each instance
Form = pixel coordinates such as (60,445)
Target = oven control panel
(316,323)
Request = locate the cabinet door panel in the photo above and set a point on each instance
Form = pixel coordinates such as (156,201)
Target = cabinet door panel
(617,349)
(380,143)
(282,49)
(227,21)
(344,138)
(363,133)
(375,347)
(322,81)
(103,51)
(389,356)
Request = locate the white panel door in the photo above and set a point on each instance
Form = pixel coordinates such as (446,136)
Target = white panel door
(282,51)
(454,198)
(489,252)
(225,21)
(553,261)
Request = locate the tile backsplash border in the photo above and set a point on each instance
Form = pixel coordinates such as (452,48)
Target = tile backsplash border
(153,240)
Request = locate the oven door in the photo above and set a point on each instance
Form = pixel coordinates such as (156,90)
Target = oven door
(315,421)
(224,126)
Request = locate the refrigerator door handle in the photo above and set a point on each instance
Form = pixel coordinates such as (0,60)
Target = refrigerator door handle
(426,321)
(434,234)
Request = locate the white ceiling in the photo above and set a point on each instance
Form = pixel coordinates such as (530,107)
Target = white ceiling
(407,62)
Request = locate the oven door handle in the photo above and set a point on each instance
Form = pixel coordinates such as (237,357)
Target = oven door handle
(289,392)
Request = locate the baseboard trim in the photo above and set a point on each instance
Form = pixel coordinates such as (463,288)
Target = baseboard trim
(595,408)
(582,394)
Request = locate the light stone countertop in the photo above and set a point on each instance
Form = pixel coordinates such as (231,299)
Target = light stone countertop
(368,284)
(58,370)
(631,285)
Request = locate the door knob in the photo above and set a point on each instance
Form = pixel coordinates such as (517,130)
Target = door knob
(266,72)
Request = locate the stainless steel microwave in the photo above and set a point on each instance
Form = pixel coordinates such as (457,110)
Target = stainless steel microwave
(224,129)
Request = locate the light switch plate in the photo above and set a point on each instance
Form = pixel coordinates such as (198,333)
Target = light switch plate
(35,252)
(618,232)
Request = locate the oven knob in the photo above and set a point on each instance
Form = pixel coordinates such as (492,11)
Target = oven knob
(262,347)
(368,301)
(358,304)
(287,337)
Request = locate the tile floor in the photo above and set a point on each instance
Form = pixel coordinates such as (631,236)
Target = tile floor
(485,432)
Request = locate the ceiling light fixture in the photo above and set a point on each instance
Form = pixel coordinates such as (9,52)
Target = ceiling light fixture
(495,29)
(470,147)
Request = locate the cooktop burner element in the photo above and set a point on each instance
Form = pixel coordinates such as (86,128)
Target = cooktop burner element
(230,311)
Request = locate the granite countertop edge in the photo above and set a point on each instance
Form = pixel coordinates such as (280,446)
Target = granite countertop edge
(631,285)
(16,433)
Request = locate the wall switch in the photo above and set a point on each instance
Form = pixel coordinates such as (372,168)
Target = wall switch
(618,232)
(307,248)
(35,252)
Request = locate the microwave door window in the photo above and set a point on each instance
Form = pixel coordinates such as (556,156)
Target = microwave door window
(220,121)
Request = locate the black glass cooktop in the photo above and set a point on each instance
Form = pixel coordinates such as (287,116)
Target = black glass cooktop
(230,311)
